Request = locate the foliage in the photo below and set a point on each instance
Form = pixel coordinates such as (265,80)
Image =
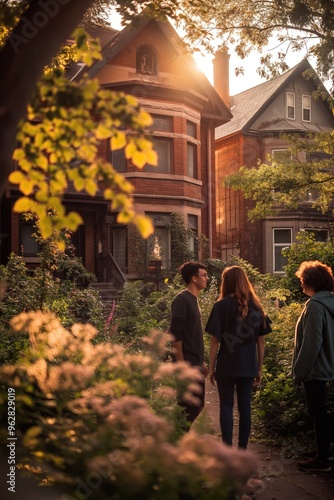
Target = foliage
(70,297)
(304,248)
(250,25)
(66,120)
(279,413)
(85,411)
(136,312)
(180,237)
(288,184)
(59,146)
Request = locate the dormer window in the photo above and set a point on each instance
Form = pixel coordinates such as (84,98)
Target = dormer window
(146,61)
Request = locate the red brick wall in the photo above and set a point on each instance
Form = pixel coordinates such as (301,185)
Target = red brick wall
(236,234)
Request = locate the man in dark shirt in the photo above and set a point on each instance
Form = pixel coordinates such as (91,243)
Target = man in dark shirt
(186,327)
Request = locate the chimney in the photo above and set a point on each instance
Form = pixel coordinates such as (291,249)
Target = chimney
(221,74)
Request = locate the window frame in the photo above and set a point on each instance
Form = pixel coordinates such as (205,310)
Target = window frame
(192,170)
(151,66)
(159,169)
(281,150)
(120,165)
(289,106)
(279,245)
(304,108)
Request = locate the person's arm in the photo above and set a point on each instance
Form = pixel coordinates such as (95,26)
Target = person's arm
(177,350)
(260,357)
(214,344)
(312,321)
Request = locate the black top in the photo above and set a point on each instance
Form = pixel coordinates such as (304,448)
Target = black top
(186,326)
(237,355)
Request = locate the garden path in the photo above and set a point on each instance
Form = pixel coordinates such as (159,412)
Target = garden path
(281,477)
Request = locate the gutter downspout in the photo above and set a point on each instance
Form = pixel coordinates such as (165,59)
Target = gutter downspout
(209,135)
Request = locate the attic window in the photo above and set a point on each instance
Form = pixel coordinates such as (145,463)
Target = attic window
(306,105)
(290,105)
(146,61)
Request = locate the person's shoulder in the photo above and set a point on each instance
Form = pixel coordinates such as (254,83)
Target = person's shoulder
(225,302)
(183,295)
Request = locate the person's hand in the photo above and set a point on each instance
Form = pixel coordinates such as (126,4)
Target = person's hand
(257,380)
(212,377)
(205,370)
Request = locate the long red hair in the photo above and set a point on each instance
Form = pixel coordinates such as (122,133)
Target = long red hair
(235,282)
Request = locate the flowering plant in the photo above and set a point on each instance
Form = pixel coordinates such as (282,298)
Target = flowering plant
(101,421)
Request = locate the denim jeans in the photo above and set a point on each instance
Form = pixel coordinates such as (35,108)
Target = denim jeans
(315,394)
(226,386)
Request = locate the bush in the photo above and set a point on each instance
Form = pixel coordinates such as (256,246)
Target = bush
(24,291)
(98,418)
(305,248)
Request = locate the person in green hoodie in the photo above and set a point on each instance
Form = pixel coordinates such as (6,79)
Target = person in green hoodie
(313,357)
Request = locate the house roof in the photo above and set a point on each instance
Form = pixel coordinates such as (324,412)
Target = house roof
(247,106)
(112,42)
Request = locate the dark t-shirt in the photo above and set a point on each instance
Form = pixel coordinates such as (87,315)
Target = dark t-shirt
(237,355)
(186,326)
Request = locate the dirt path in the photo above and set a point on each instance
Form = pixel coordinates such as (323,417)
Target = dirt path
(281,477)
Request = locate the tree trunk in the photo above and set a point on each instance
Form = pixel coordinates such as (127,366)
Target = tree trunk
(42,29)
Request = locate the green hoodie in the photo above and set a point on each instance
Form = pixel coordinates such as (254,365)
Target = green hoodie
(313,357)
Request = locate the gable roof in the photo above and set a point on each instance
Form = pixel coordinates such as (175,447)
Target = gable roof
(112,42)
(248,105)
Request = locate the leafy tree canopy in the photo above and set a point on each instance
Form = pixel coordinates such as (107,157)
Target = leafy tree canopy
(249,25)
(33,33)
(288,184)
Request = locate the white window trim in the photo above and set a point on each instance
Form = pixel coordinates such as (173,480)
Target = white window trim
(303,107)
(282,245)
(294,106)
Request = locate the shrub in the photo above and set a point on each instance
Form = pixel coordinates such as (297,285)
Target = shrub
(41,290)
(304,248)
(100,418)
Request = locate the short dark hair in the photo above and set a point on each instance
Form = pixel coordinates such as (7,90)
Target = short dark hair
(190,269)
(316,275)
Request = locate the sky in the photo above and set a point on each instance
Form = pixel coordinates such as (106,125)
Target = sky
(239,83)
(250,78)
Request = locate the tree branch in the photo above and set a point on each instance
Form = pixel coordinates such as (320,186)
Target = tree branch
(38,36)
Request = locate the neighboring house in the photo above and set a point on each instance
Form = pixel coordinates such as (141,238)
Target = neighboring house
(260,114)
(148,60)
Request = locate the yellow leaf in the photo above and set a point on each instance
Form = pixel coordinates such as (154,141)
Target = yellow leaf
(18,154)
(124,217)
(16,177)
(139,159)
(144,225)
(27,186)
(79,183)
(91,187)
(73,220)
(45,226)
(102,132)
(42,162)
(24,204)
(130,150)
(144,119)
(152,158)
(118,141)
(25,164)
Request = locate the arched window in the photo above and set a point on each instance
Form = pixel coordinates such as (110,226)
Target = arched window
(146,61)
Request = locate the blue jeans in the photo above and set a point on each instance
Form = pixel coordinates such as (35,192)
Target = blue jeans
(226,386)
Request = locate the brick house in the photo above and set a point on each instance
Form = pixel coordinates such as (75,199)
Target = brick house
(260,114)
(148,60)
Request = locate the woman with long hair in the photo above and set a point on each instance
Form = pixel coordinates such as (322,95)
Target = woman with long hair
(238,325)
